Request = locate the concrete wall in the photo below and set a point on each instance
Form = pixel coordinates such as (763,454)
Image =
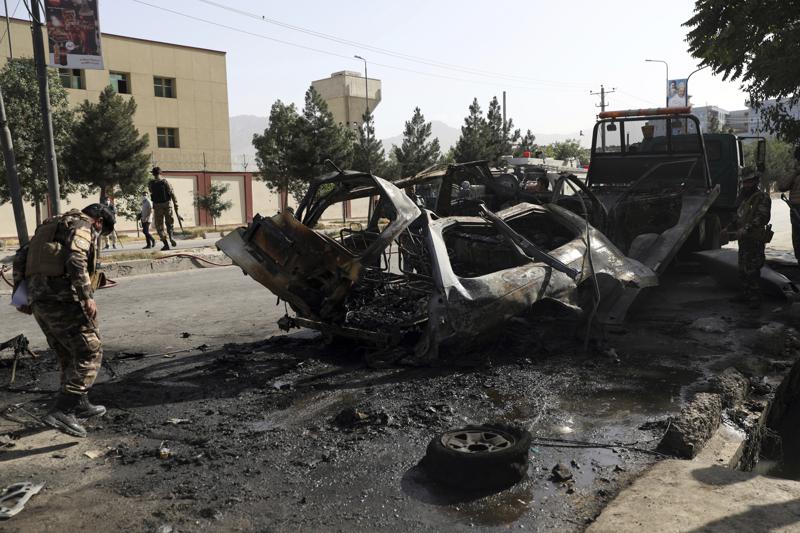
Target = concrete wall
(199,112)
(344,93)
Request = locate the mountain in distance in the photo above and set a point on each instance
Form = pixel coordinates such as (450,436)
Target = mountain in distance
(244,126)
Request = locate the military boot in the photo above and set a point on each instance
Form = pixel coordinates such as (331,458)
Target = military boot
(86,409)
(166,245)
(62,416)
(172,240)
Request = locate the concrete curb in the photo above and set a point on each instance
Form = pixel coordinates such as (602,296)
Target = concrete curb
(140,267)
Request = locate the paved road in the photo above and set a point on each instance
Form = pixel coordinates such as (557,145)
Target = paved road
(149,313)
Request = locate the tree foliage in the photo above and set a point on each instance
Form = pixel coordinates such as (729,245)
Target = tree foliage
(273,150)
(106,151)
(21,93)
(779,162)
(368,153)
(756,42)
(527,143)
(471,146)
(212,202)
(293,148)
(486,137)
(418,151)
(569,149)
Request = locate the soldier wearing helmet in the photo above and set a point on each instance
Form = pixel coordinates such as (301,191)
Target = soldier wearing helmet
(754,232)
(56,273)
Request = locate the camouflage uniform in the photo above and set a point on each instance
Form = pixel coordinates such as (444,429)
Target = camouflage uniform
(752,216)
(56,300)
(161,194)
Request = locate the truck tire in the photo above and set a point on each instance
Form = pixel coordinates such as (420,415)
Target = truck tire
(485,457)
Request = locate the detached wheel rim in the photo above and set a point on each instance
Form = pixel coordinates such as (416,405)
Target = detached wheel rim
(477,440)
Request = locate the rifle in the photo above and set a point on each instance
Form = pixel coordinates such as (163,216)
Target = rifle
(792,208)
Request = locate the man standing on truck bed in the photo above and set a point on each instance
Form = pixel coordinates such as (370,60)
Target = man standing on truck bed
(162,194)
(754,231)
(791,183)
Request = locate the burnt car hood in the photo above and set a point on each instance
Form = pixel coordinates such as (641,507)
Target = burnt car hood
(306,268)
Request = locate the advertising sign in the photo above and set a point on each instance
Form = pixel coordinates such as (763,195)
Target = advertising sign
(73,31)
(677,95)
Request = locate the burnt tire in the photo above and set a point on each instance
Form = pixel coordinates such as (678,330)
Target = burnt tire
(485,457)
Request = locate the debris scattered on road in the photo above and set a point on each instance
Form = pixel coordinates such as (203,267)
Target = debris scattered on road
(14,497)
(710,324)
(163,451)
(691,429)
(94,454)
(353,417)
(185,335)
(176,421)
(561,472)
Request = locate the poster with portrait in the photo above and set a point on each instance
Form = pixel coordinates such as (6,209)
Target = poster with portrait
(73,32)
(677,93)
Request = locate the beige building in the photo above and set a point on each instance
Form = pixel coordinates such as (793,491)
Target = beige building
(181,94)
(345,93)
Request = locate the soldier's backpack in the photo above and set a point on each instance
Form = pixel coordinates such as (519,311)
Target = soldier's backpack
(46,256)
(159,191)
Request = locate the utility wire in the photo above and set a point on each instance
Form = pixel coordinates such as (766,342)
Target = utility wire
(399,55)
(5,32)
(335,54)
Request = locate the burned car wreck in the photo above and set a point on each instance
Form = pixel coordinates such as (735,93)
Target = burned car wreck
(412,282)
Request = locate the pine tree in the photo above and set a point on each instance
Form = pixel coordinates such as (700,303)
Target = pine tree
(318,137)
(526,144)
(107,151)
(499,139)
(368,153)
(21,93)
(472,145)
(274,148)
(416,153)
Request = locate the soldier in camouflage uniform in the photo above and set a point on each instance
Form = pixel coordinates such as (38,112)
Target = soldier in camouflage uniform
(161,194)
(754,232)
(57,268)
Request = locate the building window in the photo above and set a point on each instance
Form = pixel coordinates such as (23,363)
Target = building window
(167,137)
(164,87)
(72,78)
(120,81)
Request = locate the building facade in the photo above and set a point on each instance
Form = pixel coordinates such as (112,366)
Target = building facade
(181,93)
(345,93)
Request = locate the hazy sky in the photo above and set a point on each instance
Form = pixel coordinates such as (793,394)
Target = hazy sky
(547,55)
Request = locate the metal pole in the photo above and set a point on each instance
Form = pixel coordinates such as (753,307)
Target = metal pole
(686,95)
(366,104)
(8,31)
(504,112)
(44,104)
(666,85)
(14,188)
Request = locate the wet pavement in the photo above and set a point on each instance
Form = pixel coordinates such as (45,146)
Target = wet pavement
(257,444)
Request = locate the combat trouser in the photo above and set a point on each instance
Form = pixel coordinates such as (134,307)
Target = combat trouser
(751,259)
(75,339)
(163,214)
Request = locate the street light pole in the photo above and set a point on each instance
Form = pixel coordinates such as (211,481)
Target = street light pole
(366,103)
(687,83)
(666,85)
(44,104)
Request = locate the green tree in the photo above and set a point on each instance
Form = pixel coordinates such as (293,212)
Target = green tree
(499,137)
(107,152)
(779,159)
(418,151)
(212,202)
(527,143)
(471,146)
(571,148)
(21,92)
(274,149)
(318,137)
(368,153)
(756,42)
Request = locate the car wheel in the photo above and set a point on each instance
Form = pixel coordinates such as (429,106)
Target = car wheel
(491,456)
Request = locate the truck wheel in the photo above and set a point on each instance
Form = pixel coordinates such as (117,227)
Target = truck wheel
(491,456)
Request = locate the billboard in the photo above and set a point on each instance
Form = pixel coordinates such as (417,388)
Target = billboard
(677,95)
(73,32)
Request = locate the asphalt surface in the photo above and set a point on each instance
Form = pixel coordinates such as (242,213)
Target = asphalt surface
(252,419)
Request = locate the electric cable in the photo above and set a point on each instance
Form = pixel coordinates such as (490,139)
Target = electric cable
(385,51)
(343,56)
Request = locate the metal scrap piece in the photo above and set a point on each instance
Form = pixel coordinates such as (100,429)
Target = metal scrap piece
(14,497)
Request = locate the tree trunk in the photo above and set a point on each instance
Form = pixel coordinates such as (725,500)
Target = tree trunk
(38,206)
(103,194)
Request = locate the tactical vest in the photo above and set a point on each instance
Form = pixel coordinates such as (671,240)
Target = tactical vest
(47,255)
(159,191)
